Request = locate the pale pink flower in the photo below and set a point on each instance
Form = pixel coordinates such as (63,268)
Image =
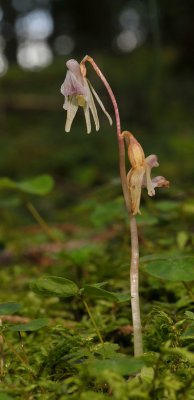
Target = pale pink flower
(79,92)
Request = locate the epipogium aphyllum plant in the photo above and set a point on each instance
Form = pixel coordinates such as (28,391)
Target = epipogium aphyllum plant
(79,92)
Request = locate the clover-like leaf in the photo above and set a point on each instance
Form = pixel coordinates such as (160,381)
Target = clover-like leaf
(179,268)
(33,325)
(96,291)
(39,185)
(9,308)
(54,286)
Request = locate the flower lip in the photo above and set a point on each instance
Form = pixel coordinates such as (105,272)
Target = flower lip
(160,181)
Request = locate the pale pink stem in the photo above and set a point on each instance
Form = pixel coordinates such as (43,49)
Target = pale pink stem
(134,269)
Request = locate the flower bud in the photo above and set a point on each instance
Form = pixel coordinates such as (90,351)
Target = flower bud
(135,151)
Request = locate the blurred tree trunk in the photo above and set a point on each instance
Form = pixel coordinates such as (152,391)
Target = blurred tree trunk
(9,18)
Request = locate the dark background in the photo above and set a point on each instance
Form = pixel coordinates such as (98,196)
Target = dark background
(144,48)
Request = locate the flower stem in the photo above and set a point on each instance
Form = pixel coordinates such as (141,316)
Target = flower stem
(93,321)
(134,278)
(134,269)
(41,221)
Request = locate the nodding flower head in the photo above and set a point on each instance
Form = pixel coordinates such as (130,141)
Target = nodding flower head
(79,92)
(139,175)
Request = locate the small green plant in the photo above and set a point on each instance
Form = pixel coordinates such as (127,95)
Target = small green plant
(61,287)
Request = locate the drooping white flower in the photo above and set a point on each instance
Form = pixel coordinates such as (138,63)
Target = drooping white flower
(79,92)
(139,175)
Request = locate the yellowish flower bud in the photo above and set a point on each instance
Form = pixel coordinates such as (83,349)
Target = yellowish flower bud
(135,151)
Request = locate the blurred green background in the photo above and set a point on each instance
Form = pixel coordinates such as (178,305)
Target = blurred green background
(144,48)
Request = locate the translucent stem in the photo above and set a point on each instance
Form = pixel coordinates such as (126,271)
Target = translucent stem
(134,279)
(93,321)
(134,269)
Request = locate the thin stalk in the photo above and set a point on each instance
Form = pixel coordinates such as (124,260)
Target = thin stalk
(134,269)
(41,221)
(134,278)
(93,321)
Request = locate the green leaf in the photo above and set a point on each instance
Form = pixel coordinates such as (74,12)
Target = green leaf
(54,286)
(7,183)
(4,396)
(39,185)
(9,308)
(96,291)
(180,268)
(188,333)
(189,314)
(122,366)
(10,201)
(30,326)
(107,350)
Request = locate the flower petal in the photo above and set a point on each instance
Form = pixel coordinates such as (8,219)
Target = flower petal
(87,118)
(100,103)
(149,184)
(66,103)
(72,85)
(160,181)
(92,107)
(66,87)
(152,161)
(71,112)
(74,67)
(134,181)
